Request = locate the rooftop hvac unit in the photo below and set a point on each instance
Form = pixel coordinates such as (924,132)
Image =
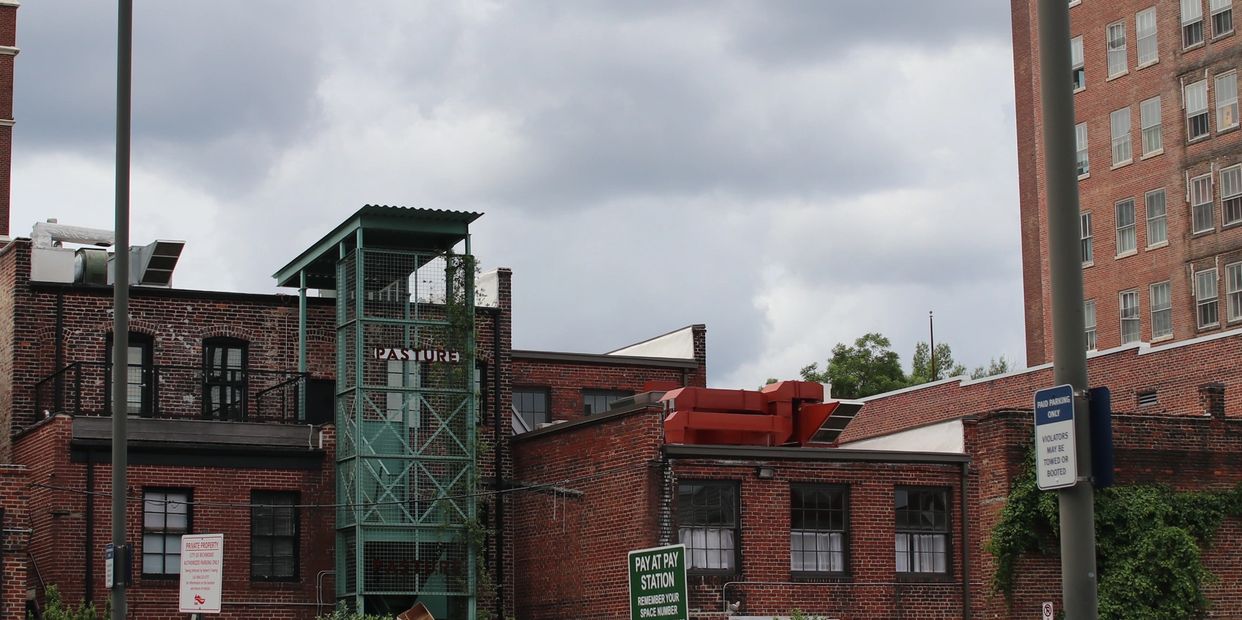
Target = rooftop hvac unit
(151,264)
(90,266)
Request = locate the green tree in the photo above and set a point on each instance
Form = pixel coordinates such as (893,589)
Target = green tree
(869,367)
(996,366)
(946,366)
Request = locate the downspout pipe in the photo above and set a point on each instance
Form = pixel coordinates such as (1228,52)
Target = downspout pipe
(965,541)
(89,543)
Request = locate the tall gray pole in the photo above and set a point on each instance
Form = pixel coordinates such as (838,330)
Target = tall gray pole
(1069,358)
(120,302)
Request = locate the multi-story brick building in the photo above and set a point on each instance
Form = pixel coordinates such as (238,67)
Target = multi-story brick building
(230,432)
(1159,165)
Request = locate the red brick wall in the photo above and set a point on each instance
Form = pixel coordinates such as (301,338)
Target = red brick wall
(1108,276)
(572,549)
(13,491)
(220,496)
(1182,452)
(1174,371)
(565,380)
(8,38)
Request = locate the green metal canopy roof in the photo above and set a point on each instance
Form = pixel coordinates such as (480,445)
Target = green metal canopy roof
(383,227)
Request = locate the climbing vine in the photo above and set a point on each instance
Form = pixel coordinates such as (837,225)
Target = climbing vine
(1148,543)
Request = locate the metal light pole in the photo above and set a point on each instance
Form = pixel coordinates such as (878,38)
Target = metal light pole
(1069,358)
(120,310)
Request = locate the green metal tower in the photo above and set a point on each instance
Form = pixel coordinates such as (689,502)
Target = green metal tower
(405,406)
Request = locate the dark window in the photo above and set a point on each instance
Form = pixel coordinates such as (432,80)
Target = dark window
(165,518)
(532,404)
(598,401)
(922,530)
(139,377)
(273,536)
(707,520)
(224,379)
(817,529)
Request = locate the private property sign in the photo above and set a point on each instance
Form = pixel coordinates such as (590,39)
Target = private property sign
(1056,456)
(658,584)
(202,573)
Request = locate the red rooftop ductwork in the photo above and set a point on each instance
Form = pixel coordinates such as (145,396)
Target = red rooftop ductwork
(785,413)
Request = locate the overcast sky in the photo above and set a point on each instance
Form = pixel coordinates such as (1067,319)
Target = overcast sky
(792,174)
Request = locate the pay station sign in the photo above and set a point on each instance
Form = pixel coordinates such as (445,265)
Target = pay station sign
(658,584)
(202,573)
(1056,457)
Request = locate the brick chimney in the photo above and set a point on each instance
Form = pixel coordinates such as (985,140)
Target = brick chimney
(1212,399)
(8,51)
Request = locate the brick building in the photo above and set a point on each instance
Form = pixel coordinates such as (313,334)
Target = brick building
(735,507)
(230,433)
(1159,164)
(1177,421)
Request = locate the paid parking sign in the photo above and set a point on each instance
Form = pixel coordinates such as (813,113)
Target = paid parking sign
(1056,456)
(658,584)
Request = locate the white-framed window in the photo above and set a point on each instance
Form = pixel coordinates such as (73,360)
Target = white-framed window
(1149,121)
(1196,98)
(1084,227)
(1119,122)
(165,519)
(1205,298)
(1145,33)
(1233,291)
(1157,217)
(1192,23)
(1161,310)
(1222,17)
(1226,101)
(1088,319)
(1201,208)
(1117,63)
(1077,65)
(1127,229)
(1231,194)
(1080,143)
(1131,324)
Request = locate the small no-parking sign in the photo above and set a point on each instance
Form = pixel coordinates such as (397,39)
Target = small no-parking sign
(1047,610)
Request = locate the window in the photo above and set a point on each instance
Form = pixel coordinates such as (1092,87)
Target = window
(922,530)
(1117,63)
(707,525)
(165,518)
(1192,22)
(1131,324)
(1157,217)
(1145,32)
(1205,298)
(1222,17)
(224,379)
(273,536)
(532,404)
(1226,101)
(817,527)
(1119,121)
(1231,194)
(1077,64)
(1080,142)
(1201,215)
(1161,310)
(1127,231)
(1233,290)
(598,401)
(1084,226)
(1197,125)
(139,378)
(402,402)
(1088,315)
(1149,120)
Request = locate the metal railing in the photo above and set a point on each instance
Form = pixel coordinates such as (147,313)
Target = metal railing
(175,392)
